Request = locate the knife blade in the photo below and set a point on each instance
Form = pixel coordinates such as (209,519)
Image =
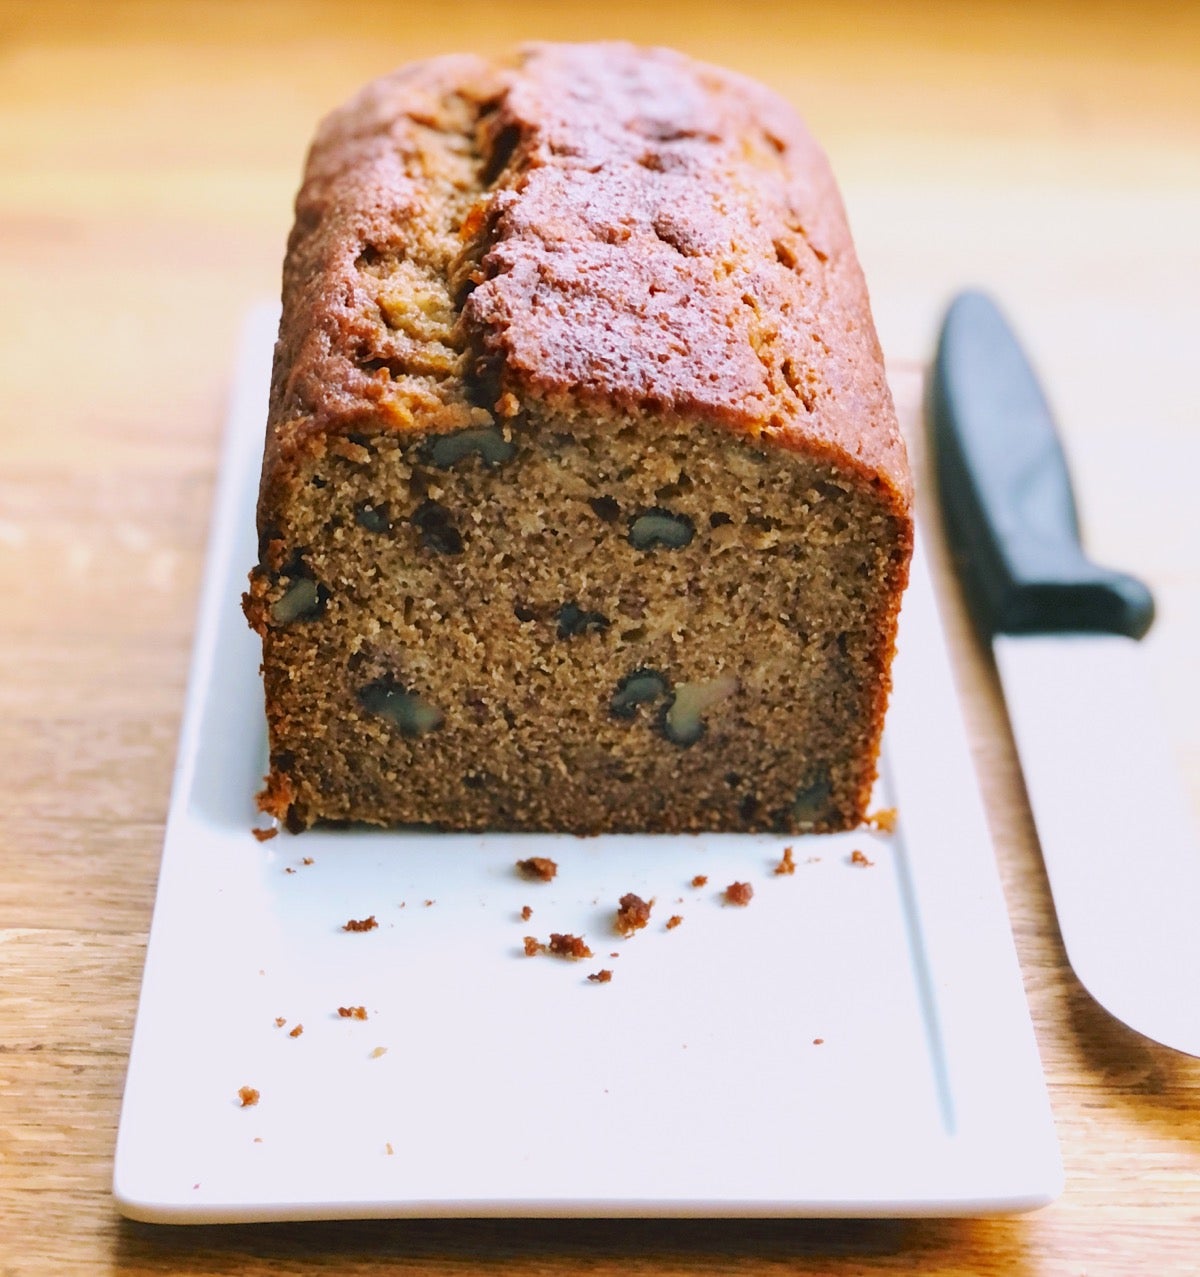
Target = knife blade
(1121,857)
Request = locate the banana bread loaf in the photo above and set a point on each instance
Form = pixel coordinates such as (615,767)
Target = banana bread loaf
(583,504)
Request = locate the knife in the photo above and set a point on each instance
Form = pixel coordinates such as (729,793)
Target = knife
(1122,859)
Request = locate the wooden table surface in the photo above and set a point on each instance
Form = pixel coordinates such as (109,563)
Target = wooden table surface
(148,156)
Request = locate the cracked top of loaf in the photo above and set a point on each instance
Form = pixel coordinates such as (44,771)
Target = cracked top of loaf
(596,228)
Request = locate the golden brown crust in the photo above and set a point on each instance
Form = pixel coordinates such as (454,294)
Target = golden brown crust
(669,238)
(630,228)
(379,175)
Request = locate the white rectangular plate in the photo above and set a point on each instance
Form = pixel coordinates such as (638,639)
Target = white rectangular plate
(855,1041)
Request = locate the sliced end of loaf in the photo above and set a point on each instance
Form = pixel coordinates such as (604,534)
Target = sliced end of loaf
(580,625)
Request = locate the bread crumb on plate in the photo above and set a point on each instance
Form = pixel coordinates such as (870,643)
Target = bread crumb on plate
(739,893)
(565,945)
(537,868)
(884,820)
(633,914)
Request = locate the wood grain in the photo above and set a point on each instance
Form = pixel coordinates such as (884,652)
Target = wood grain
(150,153)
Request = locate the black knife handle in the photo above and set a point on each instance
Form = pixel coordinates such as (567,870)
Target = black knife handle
(1006,492)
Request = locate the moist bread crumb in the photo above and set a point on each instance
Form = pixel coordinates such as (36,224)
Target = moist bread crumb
(633,914)
(583,503)
(568,946)
(739,893)
(360,924)
(539,868)
(247,1096)
(884,819)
